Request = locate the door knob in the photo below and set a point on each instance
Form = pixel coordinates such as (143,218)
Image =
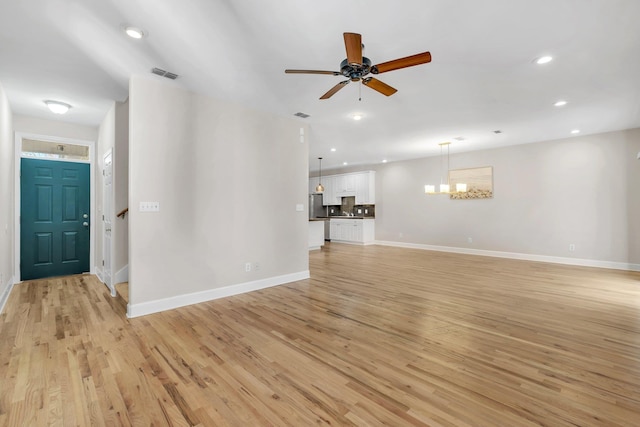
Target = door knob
(86,224)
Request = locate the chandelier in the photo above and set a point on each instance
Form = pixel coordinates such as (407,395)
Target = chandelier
(444,187)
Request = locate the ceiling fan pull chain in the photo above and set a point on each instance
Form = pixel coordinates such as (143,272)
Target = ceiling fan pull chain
(360,90)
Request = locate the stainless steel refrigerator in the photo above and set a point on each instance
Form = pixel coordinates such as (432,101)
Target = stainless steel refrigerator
(316,210)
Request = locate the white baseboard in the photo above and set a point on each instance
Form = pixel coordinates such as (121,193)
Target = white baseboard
(515,255)
(122,275)
(99,274)
(135,310)
(4,295)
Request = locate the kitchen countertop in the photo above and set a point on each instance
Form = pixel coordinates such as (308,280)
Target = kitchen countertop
(340,217)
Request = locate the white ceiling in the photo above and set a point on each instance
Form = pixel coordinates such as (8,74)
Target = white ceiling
(482,77)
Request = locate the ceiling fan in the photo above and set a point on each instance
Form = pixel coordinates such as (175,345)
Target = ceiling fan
(356,67)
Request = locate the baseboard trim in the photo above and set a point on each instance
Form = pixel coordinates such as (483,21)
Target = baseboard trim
(516,255)
(122,275)
(99,274)
(5,294)
(135,310)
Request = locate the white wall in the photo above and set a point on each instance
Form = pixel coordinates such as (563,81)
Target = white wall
(7,239)
(121,192)
(547,195)
(228,180)
(25,124)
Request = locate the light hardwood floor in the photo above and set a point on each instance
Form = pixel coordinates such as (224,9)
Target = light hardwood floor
(377,336)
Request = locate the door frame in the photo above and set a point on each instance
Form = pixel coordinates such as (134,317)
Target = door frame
(19,136)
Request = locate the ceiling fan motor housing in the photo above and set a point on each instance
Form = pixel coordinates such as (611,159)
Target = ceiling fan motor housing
(355,71)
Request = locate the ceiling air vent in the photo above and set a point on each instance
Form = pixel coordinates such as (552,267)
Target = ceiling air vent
(163,73)
(303,115)
(497,131)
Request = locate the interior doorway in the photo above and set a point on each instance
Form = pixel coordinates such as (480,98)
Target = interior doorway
(54,206)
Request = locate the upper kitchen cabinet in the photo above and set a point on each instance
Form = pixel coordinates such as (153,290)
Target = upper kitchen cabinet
(359,184)
(366,188)
(345,185)
(329,197)
(313,182)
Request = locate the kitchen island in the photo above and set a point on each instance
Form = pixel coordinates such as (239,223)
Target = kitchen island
(316,233)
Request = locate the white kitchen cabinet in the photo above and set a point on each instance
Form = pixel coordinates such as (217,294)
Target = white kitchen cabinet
(329,196)
(352,230)
(345,185)
(366,188)
(312,185)
(358,184)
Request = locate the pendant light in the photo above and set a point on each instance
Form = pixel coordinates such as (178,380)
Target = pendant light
(320,187)
(444,187)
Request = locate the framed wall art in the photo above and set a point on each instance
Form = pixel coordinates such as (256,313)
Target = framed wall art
(479,182)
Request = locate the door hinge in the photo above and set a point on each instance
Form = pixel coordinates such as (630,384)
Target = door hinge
(103,263)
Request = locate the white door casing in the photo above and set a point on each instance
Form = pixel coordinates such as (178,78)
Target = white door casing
(108,214)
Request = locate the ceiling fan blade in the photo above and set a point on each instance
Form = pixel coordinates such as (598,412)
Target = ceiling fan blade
(409,61)
(333,73)
(353,43)
(334,89)
(381,87)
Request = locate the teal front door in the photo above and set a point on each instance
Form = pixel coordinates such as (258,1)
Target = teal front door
(54,218)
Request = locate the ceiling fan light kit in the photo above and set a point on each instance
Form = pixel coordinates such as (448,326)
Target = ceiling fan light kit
(357,67)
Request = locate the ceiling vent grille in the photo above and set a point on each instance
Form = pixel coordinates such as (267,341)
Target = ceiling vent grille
(303,115)
(164,73)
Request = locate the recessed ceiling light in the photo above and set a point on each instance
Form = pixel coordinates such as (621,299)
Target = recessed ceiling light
(333,150)
(357,116)
(384,161)
(57,107)
(575,131)
(560,103)
(344,163)
(134,32)
(543,60)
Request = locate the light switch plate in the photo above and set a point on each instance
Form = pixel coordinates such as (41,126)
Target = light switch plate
(149,207)
(299,207)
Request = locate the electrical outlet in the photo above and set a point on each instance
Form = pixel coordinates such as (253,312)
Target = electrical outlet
(469,240)
(572,247)
(256,266)
(247,267)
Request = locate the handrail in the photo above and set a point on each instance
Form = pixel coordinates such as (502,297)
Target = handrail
(122,213)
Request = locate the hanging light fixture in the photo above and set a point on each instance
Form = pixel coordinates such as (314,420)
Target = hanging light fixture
(444,187)
(320,187)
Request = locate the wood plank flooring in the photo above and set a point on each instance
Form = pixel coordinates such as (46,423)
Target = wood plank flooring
(377,336)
